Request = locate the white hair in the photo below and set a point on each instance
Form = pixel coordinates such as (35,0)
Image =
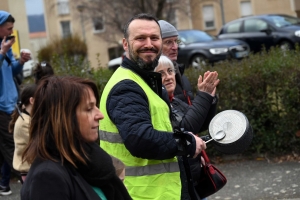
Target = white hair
(165,61)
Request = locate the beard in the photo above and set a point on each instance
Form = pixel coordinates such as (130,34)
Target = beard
(145,65)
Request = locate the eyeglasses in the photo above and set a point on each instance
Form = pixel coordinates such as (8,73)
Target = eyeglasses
(170,72)
(170,43)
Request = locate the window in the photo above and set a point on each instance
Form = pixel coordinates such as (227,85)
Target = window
(65,28)
(234,28)
(98,24)
(246,8)
(63,7)
(208,16)
(115,52)
(255,25)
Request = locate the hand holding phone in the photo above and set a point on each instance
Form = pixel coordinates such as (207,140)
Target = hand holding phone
(10,37)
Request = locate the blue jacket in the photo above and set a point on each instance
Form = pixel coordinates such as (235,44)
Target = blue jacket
(8,90)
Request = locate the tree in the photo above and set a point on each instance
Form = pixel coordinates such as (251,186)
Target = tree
(115,13)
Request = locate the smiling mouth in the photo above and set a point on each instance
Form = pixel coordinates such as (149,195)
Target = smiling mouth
(147,51)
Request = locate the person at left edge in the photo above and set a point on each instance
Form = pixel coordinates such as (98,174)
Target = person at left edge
(9,68)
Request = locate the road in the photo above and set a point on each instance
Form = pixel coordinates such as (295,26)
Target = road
(246,180)
(260,180)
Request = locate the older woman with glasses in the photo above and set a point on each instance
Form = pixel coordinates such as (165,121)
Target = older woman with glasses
(196,117)
(193,118)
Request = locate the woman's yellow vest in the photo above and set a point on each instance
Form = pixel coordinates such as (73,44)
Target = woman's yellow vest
(145,179)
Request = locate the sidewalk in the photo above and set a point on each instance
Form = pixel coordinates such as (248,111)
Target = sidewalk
(246,180)
(260,180)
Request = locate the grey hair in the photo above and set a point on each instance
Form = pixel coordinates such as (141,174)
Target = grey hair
(164,60)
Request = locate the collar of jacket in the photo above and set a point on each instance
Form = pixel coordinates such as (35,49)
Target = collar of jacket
(179,67)
(153,79)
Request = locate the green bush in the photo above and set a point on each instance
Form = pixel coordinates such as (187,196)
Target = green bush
(72,46)
(266,88)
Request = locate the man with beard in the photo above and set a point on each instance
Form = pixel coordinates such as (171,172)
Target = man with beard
(137,128)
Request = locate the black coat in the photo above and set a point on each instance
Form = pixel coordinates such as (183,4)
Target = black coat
(183,89)
(53,180)
(196,117)
(50,180)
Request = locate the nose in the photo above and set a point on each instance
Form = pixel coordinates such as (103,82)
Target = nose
(148,43)
(99,115)
(168,75)
(174,45)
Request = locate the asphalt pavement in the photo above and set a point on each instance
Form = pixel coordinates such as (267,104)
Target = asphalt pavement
(246,180)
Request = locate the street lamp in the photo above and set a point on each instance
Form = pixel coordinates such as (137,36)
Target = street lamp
(80,8)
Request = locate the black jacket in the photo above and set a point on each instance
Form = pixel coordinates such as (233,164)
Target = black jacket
(56,180)
(196,117)
(183,89)
(50,180)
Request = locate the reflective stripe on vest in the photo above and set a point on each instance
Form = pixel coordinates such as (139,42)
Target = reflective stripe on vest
(145,179)
(141,170)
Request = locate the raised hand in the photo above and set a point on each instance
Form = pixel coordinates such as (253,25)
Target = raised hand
(6,45)
(209,82)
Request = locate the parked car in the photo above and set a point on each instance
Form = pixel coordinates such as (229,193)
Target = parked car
(198,48)
(264,30)
(116,62)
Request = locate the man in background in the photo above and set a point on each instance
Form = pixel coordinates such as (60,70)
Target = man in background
(183,90)
(9,68)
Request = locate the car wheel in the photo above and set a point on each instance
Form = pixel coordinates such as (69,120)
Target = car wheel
(285,45)
(198,61)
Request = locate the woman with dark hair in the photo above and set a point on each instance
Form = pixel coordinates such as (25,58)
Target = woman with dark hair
(67,163)
(42,70)
(19,126)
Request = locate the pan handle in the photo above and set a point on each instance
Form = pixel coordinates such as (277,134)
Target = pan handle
(205,137)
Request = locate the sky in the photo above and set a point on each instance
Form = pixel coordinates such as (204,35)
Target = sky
(34,7)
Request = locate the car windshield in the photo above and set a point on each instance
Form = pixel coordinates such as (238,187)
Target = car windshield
(193,36)
(281,20)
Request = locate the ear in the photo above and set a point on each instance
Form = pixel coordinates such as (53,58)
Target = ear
(31,100)
(125,44)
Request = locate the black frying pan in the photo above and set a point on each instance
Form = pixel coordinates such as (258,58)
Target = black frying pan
(230,132)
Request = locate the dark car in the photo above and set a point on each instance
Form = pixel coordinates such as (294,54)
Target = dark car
(197,48)
(264,30)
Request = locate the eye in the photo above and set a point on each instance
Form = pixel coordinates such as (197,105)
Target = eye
(140,38)
(168,42)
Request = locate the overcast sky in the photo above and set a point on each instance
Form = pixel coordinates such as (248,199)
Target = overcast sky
(34,7)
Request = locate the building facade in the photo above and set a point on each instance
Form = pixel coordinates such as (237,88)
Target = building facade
(64,17)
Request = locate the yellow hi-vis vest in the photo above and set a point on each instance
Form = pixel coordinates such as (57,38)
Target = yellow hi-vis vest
(145,179)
